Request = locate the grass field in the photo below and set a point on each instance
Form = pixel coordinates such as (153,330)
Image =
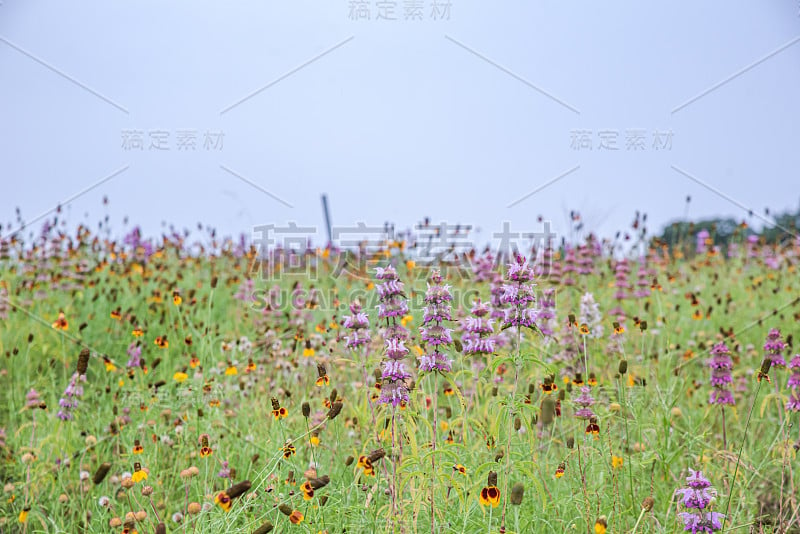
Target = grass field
(151,386)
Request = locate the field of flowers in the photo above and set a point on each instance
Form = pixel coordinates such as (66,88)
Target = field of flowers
(162,385)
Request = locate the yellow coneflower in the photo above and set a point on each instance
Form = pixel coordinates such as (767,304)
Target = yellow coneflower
(188,340)
(176,298)
(311,485)
(584,329)
(155,296)
(490,494)
(548,386)
(161,342)
(110,367)
(288,450)
(593,428)
(180,376)
(214,403)
(296,517)
(406,319)
(205,450)
(592,380)
(458,468)
(560,470)
(601,525)
(278,411)
(450,439)
(251,366)
(322,376)
(308,351)
(225,498)
(616,461)
(137,447)
(618,328)
(23,515)
(194,362)
(697,315)
(366,462)
(578,380)
(314,439)
(139,474)
(490,442)
(231,370)
(137,332)
(116,314)
(61,323)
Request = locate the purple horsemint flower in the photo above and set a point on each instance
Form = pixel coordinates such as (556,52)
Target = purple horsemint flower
(4,306)
(774,348)
(794,367)
(585,401)
(590,315)
(245,291)
(358,324)
(703,240)
(32,399)
(392,308)
(483,268)
(721,365)
(225,472)
(498,308)
(569,267)
(793,404)
(697,497)
(518,296)
(546,314)
(478,338)
(436,336)
(134,355)
(69,400)
(642,281)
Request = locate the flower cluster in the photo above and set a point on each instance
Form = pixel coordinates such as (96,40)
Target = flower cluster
(697,497)
(584,401)
(358,324)
(436,336)
(478,338)
(546,314)
(69,400)
(774,348)
(721,365)
(392,308)
(518,295)
(793,404)
(590,315)
(134,355)
(621,272)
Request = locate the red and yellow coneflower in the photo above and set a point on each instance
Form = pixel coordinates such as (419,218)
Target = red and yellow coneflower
(490,494)
(61,323)
(278,411)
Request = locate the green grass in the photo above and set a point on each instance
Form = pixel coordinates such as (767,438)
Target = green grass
(659,428)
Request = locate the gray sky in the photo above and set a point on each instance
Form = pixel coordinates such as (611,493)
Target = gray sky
(456,116)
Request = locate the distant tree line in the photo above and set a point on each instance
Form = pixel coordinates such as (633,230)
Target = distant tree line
(682,235)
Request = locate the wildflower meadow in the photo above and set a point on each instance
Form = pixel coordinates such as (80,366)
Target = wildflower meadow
(196,384)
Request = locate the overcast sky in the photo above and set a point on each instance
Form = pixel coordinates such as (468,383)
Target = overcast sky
(237,114)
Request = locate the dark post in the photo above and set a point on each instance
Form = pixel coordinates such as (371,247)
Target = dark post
(327,213)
